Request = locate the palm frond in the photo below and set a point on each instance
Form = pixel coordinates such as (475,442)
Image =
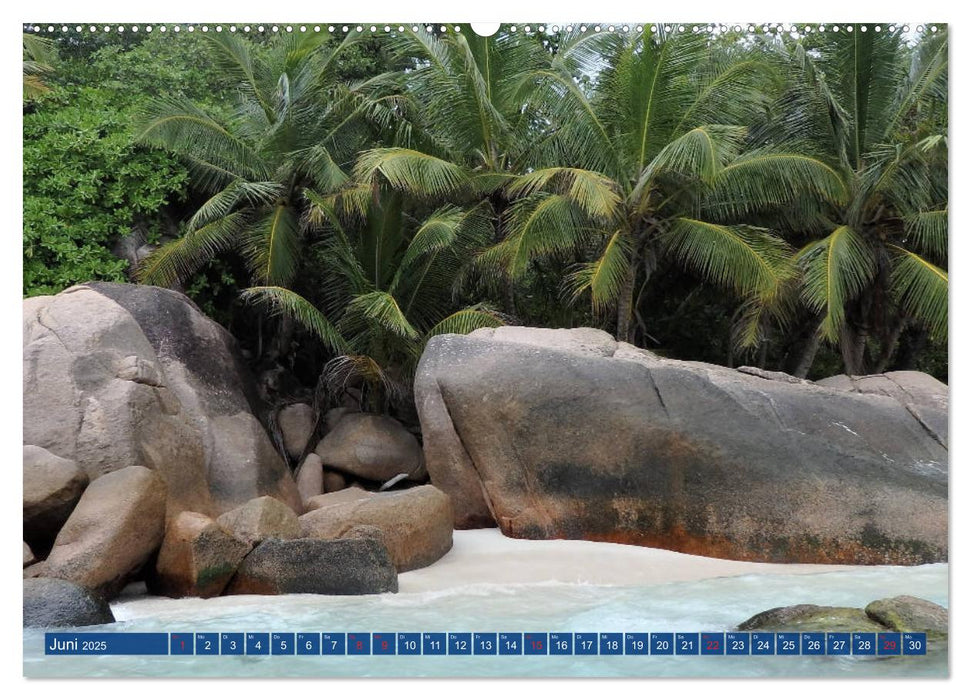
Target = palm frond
(417,173)
(746,259)
(594,193)
(921,288)
(382,309)
(272,246)
(467,320)
(604,277)
(179,259)
(835,271)
(929,232)
(280,300)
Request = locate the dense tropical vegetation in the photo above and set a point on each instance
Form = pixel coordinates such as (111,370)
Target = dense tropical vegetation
(760,198)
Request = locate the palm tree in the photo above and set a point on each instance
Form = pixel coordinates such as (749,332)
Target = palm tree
(294,130)
(389,281)
(876,110)
(472,127)
(654,160)
(39,58)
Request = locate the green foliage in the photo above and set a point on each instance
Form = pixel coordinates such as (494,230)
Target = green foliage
(86,184)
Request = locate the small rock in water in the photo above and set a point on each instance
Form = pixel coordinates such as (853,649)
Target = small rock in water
(51,602)
(906,613)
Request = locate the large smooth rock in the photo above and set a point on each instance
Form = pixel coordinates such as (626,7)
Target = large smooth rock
(52,487)
(116,527)
(372,447)
(907,613)
(569,442)
(261,519)
(50,602)
(925,397)
(296,423)
(310,477)
(197,559)
(812,618)
(329,567)
(118,374)
(416,523)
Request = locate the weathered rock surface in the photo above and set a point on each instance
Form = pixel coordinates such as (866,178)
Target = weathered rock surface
(197,559)
(372,447)
(261,519)
(296,422)
(310,477)
(50,602)
(329,567)
(118,374)
(925,397)
(900,614)
(812,618)
(52,487)
(29,557)
(569,434)
(907,613)
(117,525)
(416,523)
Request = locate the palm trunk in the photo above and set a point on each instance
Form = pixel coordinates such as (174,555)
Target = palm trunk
(624,304)
(890,344)
(853,348)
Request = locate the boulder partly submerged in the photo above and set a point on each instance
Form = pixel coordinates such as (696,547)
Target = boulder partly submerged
(51,602)
(570,434)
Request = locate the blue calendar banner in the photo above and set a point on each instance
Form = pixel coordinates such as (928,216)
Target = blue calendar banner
(713,643)
(787,643)
(89,643)
(283,643)
(231,644)
(181,643)
(358,644)
(889,643)
(510,643)
(662,643)
(308,643)
(737,643)
(838,643)
(207,643)
(333,643)
(763,643)
(637,644)
(409,643)
(488,643)
(433,644)
(561,643)
(485,643)
(459,644)
(864,643)
(611,644)
(535,644)
(914,643)
(686,643)
(813,643)
(585,643)
(257,644)
(383,644)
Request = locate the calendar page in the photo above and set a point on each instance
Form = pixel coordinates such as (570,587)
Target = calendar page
(537,349)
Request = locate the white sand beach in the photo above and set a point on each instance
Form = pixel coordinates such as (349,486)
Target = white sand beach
(487,556)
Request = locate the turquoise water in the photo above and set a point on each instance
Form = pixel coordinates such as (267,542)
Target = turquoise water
(702,606)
